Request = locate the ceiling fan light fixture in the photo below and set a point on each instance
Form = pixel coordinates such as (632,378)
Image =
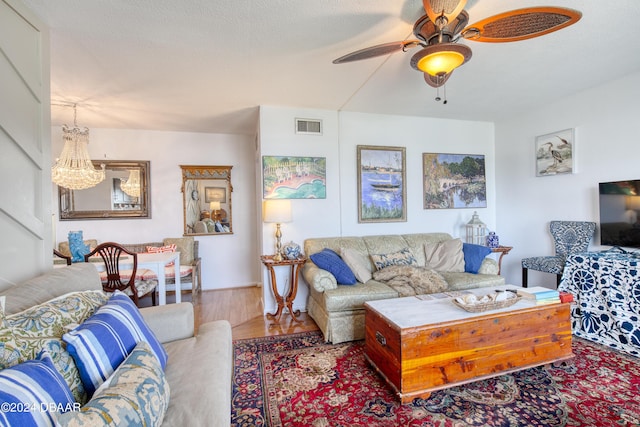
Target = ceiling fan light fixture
(440,62)
(440,59)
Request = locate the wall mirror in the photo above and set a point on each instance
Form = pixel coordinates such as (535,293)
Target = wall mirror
(111,198)
(207,200)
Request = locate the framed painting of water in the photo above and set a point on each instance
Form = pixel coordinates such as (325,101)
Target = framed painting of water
(382,193)
(454,181)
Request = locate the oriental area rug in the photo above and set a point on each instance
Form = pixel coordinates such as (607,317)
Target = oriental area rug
(299,380)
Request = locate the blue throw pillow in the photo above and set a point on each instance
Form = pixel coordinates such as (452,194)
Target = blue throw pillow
(32,392)
(331,261)
(103,341)
(473,256)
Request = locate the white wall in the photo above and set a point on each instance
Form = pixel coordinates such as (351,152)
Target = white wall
(224,257)
(419,135)
(311,218)
(338,214)
(607,149)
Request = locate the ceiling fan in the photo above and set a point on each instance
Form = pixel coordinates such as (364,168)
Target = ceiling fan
(445,23)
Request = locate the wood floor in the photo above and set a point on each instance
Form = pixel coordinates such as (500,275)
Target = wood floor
(243,308)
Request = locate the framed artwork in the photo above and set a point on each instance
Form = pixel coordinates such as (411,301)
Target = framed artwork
(453,181)
(555,153)
(382,193)
(286,177)
(215,194)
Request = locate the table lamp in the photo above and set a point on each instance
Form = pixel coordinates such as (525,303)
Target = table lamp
(214,207)
(277,211)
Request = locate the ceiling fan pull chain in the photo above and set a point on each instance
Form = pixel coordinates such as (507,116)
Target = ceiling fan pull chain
(444,89)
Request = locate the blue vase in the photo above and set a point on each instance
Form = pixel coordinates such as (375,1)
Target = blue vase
(77,247)
(492,240)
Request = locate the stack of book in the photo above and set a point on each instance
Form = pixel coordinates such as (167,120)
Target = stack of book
(540,295)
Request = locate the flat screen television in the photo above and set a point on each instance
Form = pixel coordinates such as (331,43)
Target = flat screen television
(620,213)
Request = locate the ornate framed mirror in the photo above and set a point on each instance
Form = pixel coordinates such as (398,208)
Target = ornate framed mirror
(206,199)
(125,193)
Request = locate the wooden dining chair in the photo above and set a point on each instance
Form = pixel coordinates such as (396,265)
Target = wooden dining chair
(63,256)
(123,280)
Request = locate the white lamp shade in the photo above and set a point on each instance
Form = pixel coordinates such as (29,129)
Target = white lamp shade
(214,206)
(277,211)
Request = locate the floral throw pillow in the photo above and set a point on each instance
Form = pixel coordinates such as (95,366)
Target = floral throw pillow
(25,333)
(136,394)
(9,348)
(38,324)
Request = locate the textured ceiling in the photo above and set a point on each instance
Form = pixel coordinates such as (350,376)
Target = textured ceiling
(206,66)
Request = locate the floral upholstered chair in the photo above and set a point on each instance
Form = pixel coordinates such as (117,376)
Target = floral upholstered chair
(569,237)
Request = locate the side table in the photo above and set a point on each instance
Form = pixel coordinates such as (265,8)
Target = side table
(285,301)
(503,250)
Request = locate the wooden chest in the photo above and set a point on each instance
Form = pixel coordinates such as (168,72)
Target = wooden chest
(421,346)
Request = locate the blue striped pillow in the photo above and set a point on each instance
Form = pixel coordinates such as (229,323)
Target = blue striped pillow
(32,392)
(103,341)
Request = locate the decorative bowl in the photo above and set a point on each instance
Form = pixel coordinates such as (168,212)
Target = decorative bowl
(486,302)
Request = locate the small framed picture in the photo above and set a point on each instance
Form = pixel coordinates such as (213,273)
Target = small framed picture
(215,194)
(555,153)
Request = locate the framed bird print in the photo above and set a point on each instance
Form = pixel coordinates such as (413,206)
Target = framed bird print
(555,153)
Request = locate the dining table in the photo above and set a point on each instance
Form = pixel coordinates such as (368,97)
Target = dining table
(155,262)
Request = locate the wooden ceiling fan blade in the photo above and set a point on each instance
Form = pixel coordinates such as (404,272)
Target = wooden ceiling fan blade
(521,24)
(449,8)
(378,50)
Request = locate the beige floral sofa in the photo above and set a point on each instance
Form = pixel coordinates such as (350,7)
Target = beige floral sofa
(338,309)
(193,389)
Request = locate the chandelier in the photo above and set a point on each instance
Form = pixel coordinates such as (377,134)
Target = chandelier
(132,185)
(74,169)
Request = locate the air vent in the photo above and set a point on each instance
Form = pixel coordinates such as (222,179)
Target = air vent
(309,126)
